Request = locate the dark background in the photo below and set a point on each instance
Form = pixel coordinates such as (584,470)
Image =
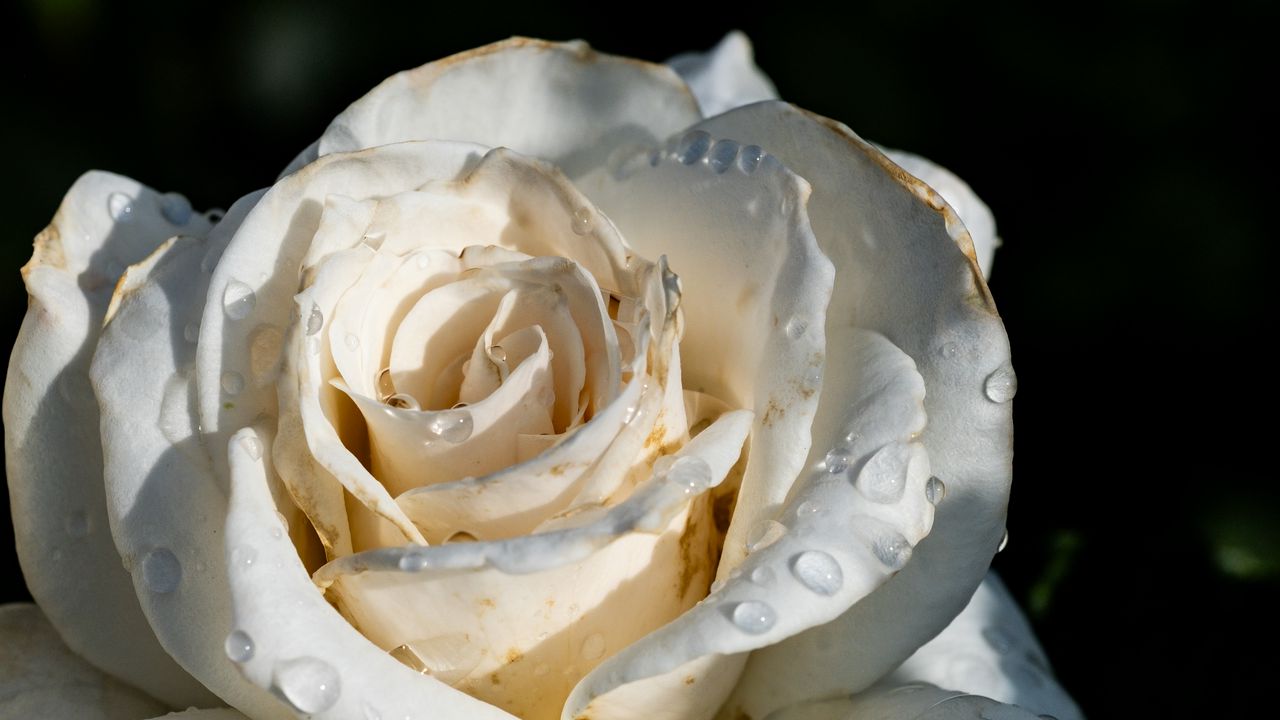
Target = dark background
(1125,152)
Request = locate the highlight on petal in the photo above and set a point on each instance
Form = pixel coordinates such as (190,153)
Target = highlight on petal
(906,271)
(724,77)
(976,216)
(562,102)
(40,677)
(53,454)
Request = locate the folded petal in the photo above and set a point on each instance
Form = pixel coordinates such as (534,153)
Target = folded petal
(725,76)
(40,677)
(562,102)
(52,450)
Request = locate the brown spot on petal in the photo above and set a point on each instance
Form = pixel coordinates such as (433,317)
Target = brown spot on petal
(689,680)
(514,655)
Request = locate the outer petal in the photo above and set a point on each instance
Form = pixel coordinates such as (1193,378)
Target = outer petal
(52,451)
(41,678)
(990,649)
(562,102)
(724,77)
(918,702)
(210,714)
(977,217)
(906,269)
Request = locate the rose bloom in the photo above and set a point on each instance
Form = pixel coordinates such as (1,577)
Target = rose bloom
(545,384)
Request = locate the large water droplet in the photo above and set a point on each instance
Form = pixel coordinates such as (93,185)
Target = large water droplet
(310,685)
(252,446)
(161,571)
(764,534)
(892,549)
(884,476)
(238,300)
(934,490)
(582,221)
(722,155)
(238,646)
(693,146)
(76,523)
(753,617)
(818,571)
(175,208)
(120,207)
(315,320)
(749,158)
(593,647)
(452,426)
(1001,385)
(232,382)
(691,474)
(797,327)
(837,460)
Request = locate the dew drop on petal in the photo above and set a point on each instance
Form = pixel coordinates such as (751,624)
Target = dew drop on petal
(808,507)
(764,534)
(753,617)
(452,426)
(120,207)
(691,474)
(934,490)
(252,446)
(884,476)
(818,571)
(593,647)
(315,320)
(232,382)
(413,560)
(949,350)
(404,401)
(175,208)
(837,460)
(1001,385)
(76,523)
(582,221)
(161,571)
(722,155)
(892,549)
(351,341)
(693,146)
(238,300)
(238,646)
(749,158)
(796,327)
(763,576)
(243,556)
(308,684)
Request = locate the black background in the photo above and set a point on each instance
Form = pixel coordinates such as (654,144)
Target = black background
(1124,149)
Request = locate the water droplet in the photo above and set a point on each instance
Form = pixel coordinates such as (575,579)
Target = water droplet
(315,320)
(763,576)
(692,474)
(252,446)
(818,571)
(351,341)
(404,401)
(892,549)
(593,647)
(452,426)
(749,158)
(161,571)
(498,354)
(238,300)
(812,379)
(413,560)
(797,327)
(310,685)
(120,207)
(232,382)
(238,646)
(764,534)
(934,491)
(837,460)
(998,639)
(1001,385)
(191,332)
(582,219)
(1004,540)
(76,523)
(276,533)
(884,476)
(371,712)
(753,617)
(722,155)
(950,350)
(243,556)
(808,507)
(693,146)
(175,208)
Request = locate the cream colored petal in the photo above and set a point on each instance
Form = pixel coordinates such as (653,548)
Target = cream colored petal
(157,470)
(990,650)
(537,612)
(41,678)
(287,640)
(976,216)
(53,455)
(563,102)
(906,269)
(724,77)
(916,701)
(206,714)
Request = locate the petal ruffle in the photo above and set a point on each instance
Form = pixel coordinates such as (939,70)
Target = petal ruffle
(724,77)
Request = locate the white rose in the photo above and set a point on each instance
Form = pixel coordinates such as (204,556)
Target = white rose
(436,428)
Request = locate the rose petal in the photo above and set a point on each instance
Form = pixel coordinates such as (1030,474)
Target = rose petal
(725,76)
(52,450)
(906,269)
(916,701)
(42,678)
(285,638)
(989,649)
(206,714)
(563,102)
(156,468)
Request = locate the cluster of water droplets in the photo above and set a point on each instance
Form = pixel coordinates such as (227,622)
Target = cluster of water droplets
(697,146)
